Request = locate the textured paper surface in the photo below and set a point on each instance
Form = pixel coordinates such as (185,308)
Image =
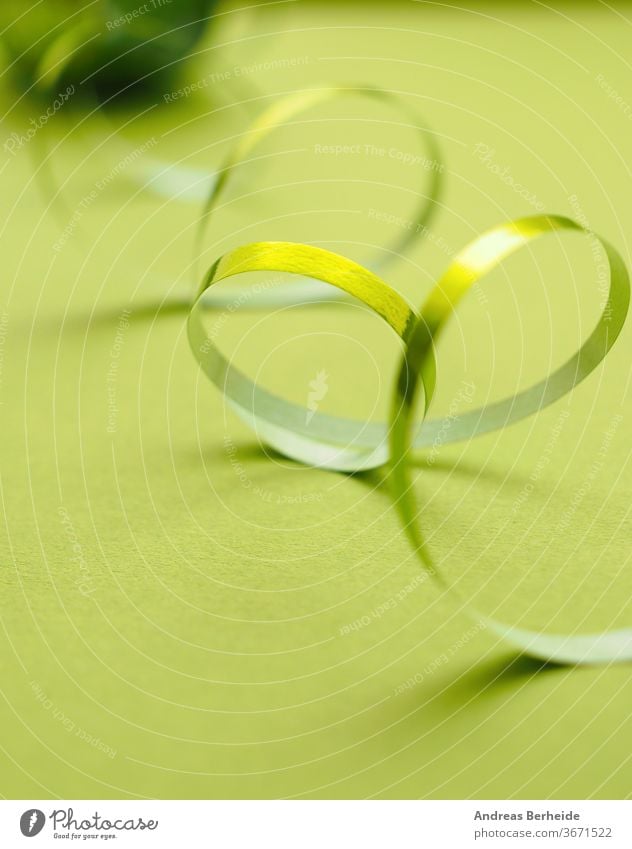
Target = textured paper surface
(173,628)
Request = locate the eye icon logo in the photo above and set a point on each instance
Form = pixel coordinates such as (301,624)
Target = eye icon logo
(32,822)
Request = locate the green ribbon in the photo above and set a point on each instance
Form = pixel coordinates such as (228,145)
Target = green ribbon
(280,112)
(343,444)
(418,371)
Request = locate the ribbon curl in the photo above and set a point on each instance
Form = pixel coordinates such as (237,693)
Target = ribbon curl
(279,113)
(343,444)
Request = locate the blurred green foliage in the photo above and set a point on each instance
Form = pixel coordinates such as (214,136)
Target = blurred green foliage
(111,48)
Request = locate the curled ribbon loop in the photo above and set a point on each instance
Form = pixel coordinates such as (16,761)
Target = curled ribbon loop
(349,445)
(344,444)
(327,441)
(280,112)
(418,371)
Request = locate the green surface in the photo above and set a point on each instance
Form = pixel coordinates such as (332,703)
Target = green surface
(176,607)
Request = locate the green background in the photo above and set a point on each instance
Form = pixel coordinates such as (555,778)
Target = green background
(176,604)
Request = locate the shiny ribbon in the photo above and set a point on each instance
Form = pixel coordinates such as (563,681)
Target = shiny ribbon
(280,112)
(343,444)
